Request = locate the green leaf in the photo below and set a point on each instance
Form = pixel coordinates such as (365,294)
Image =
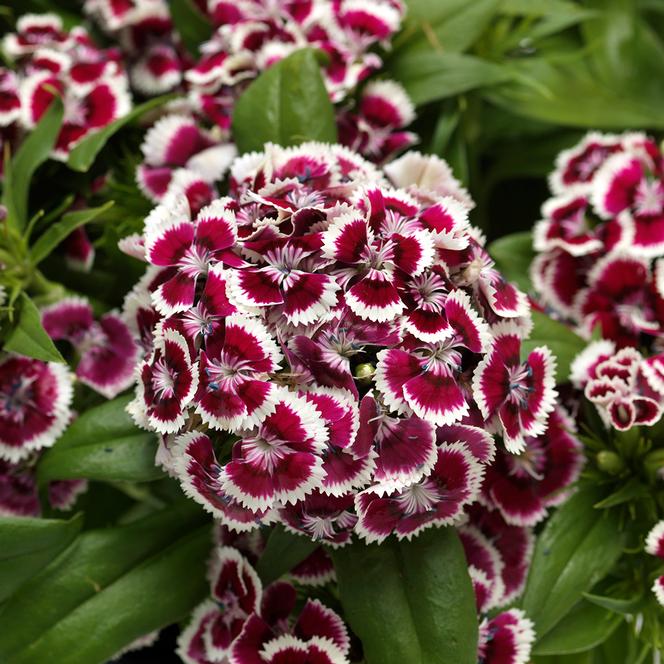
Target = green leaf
(84,153)
(626,606)
(513,255)
(107,589)
(283,551)
(454,32)
(193,27)
(564,343)
(410,601)
(29,338)
(34,151)
(632,490)
(287,104)
(548,89)
(56,233)
(577,548)
(30,544)
(102,444)
(583,628)
(429,76)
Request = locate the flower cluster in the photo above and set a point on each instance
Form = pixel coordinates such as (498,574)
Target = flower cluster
(35,408)
(626,388)
(329,351)
(51,61)
(243,623)
(601,239)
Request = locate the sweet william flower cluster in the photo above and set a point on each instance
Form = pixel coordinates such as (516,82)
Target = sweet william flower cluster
(329,345)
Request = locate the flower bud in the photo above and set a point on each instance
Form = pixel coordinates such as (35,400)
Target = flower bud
(610,462)
(364,372)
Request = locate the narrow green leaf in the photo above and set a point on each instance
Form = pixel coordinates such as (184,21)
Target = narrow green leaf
(513,255)
(626,606)
(576,549)
(34,151)
(429,76)
(456,32)
(102,444)
(56,233)
(283,551)
(193,27)
(547,89)
(564,343)
(631,490)
(85,152)
(287,104)
(29,338)
(583,628)
(410,601)
(108,586)
(30,544)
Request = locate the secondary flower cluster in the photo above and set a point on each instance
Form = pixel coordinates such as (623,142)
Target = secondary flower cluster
(626,388)
(328,351)
(243,623)
(35,408)
(51,61)
(601,240)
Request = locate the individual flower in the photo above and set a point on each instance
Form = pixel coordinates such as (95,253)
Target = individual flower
(523,486)
(106,350)
(167,383)
(506,639)
(236,592)
(516,395)
(655,547)
(436,500)
(173,240)
(19,492)
(35,405)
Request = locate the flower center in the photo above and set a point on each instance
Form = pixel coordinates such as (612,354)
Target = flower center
(163,380)
(15,398)
(419,498)
(518,384)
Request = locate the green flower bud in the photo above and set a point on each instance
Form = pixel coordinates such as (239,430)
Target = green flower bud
(610,462)
(364,372)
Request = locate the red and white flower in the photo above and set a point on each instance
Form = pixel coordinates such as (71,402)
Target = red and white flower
(167,383)
(515,396)
(655,547)
(35,405)
(106,349)
(507,638)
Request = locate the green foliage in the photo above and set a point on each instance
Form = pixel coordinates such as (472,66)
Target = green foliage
(287,104)
(84,153)
(30,544)
(283,551)
(564,344)
(513,255)
(102,444)
(107,589)
(34,151)
(584,627)
(28,337)
(57,232)
(577,548)
(193,27)
(410,601)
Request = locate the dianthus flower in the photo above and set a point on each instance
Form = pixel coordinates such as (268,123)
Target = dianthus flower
(601,240)
(242,622)
(51,61)
(327,350)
